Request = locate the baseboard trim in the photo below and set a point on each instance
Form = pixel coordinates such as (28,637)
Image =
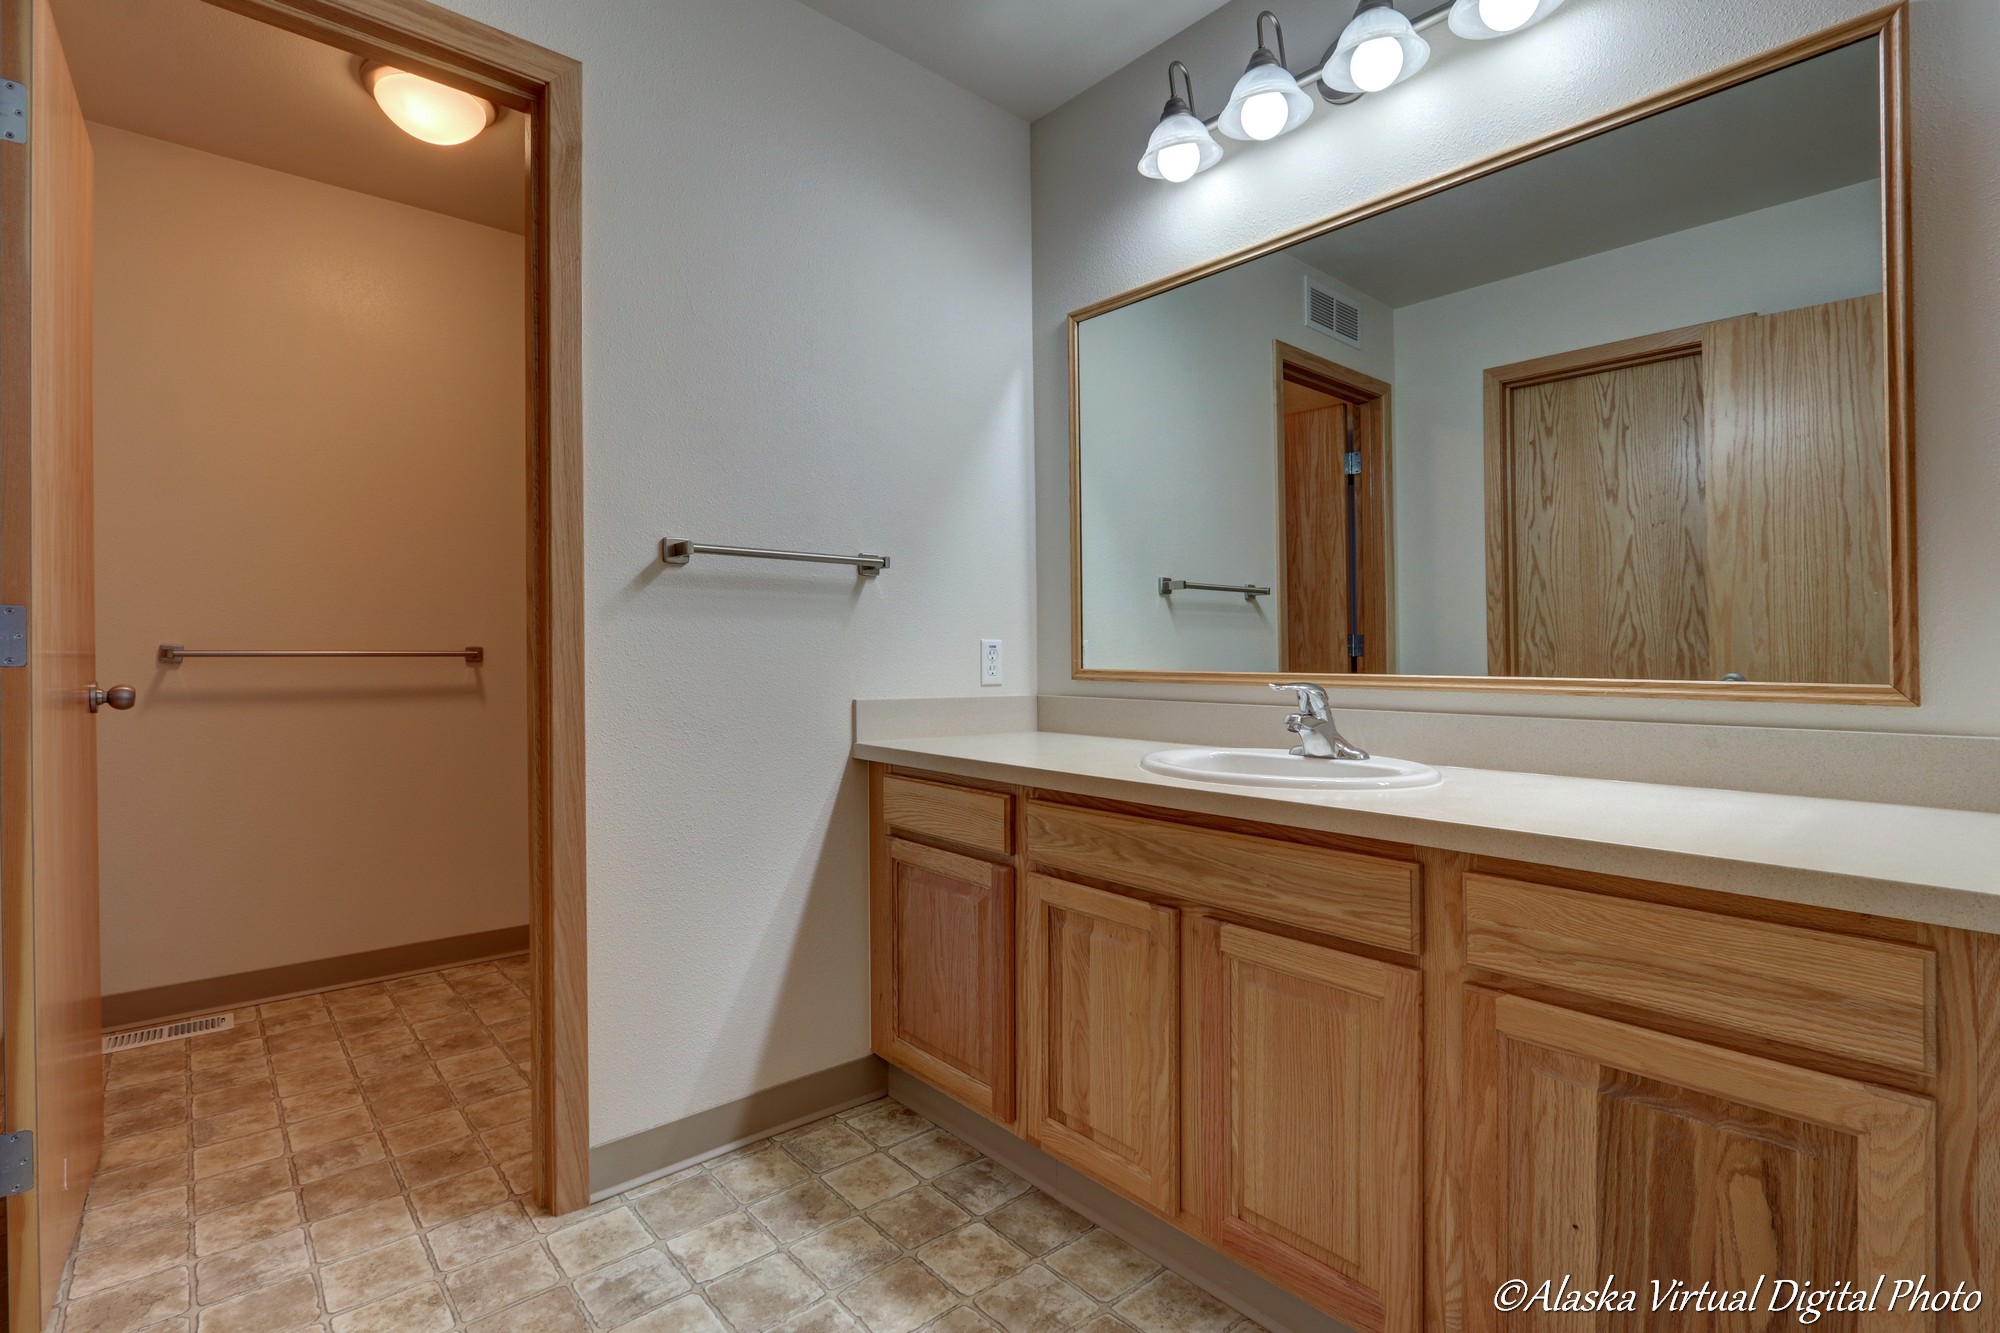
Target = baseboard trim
(626,1163)
(136,1008)
(1223,1278)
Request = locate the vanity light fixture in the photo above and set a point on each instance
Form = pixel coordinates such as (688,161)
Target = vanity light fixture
(1267,101)
(424,108)
(1181,145)
(1480,19)
(1378,49)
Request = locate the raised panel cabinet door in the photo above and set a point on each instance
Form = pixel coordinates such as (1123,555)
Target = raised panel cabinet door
(1100,1022)
(1603,1151)
(1311,1082)
(944,973)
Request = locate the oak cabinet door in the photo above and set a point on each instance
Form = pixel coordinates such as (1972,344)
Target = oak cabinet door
(1311,1090)
(944,973)
(1607,1151)
(1100,1026)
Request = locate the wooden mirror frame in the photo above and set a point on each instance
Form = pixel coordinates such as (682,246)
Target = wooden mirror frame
(1890,26)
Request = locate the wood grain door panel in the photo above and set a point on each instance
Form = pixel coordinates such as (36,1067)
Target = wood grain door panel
(1601,1149)
(1100,1023)
(1311,1101)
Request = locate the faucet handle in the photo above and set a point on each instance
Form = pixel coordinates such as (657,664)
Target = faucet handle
(1312,699)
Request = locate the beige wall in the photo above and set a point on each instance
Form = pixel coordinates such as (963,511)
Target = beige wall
(309,433)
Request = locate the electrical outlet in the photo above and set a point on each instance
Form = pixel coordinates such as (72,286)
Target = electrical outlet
(989,661)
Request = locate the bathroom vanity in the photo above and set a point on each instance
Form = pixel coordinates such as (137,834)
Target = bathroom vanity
(1391,1076)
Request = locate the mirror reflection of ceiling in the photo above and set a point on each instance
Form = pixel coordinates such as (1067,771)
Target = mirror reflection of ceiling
(1804,130)
(199,76)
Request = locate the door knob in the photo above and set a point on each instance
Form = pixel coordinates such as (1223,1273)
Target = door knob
(120,697)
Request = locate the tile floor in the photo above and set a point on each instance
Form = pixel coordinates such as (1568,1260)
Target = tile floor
(355,1162)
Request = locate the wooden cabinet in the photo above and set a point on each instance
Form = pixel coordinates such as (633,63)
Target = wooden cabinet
(943,933)
(1100,1024)
(1311,1073)
(1602,1149)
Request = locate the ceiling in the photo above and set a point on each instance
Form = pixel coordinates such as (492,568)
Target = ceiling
(1804,130)
(1029,56)
(200,76)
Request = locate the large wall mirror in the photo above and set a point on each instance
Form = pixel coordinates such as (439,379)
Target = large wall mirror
(1626,411)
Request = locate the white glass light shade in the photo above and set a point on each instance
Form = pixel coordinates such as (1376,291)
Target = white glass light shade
(1181,146)
(425,109)
(1378,50)
(1267,102)
(1481,19)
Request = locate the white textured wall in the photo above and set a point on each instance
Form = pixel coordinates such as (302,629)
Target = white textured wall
(1101,229)
(806,325)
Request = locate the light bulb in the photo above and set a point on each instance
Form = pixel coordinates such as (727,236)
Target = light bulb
(428,110)
(1506,15)
(1264,115)
(1179,162)
(1376,63)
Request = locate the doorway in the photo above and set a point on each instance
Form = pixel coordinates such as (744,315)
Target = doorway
(51,706)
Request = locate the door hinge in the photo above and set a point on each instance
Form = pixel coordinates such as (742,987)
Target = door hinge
(17,1162)
(13,636)
(1357,645)
(1352,463)
(13,111)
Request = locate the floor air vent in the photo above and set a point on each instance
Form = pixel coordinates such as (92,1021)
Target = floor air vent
(187,1027)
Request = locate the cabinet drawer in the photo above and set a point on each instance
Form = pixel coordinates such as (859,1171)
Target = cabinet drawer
(1865,999)
(1367,898)
(963,815)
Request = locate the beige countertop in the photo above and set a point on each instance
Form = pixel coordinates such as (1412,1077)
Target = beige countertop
(1910,862)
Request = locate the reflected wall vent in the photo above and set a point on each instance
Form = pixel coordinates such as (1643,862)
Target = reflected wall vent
(1335,316)
(153,1036)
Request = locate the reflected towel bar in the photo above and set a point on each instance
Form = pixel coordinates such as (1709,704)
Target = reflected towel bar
(173,654)
(677,550)
(1251,592)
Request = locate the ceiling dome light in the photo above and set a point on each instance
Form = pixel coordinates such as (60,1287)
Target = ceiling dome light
(1480,19)
(1181,145)
(1268,101)
(426,109)
(1378,50)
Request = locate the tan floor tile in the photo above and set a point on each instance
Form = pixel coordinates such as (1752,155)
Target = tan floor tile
(495,1283)
(403,1078)
(260,1263)
(463,1066)
(235,1097)
(441,1161)
(147,1147)
(689,1314)
(507,1140)
(551,1312)
(1172,1304)
(886,1122)
(219,1078)
(1103,1265)
(1036,1301)
(129,1182)
(148,1210)
(317,1077)
(914,1219)
(350,1190)
(825,1144)
(368,1020)
(756,1171)
(418,1310)
(395,1108)
(519,1172)
(899,1298)
(487,1084)
(382,1038)
(440,1127)
(763,1293)
(332,1159)
(460,1196)
(376,1273)
(134,1305)
(1105,1323)
(631,1287)
(132,1256)
(800,1210)
(933,1153)
(729,1242)
(1037,1223)
(247,1222)
(321,1102)
(684,1205)
(846,1252)
(297,1004)
(345,1124)
(235,1154)
(981,1186)
(140,1096)
(826,1317)
(144,1065)
(973,1258)
(964,1319)
(279,1308)
(590,1245)
(362,1229)
(480,1236)
(234,1187)
(501,1110)
(867,1181)
(146,1121)
(252,1119)
(302,1038)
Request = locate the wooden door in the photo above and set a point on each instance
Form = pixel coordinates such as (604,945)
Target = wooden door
(1310,1082)
(1603,1149)
(944,973)
(1798,478)
(1100,1023)
(48,761)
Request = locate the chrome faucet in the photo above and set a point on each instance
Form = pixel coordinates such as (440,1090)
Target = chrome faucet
(1313,725)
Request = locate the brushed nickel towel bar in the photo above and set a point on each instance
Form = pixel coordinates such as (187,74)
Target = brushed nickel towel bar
(1251,592)
(678,550)
(173,654)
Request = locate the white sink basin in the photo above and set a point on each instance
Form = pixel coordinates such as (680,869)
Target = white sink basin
(1280,768)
